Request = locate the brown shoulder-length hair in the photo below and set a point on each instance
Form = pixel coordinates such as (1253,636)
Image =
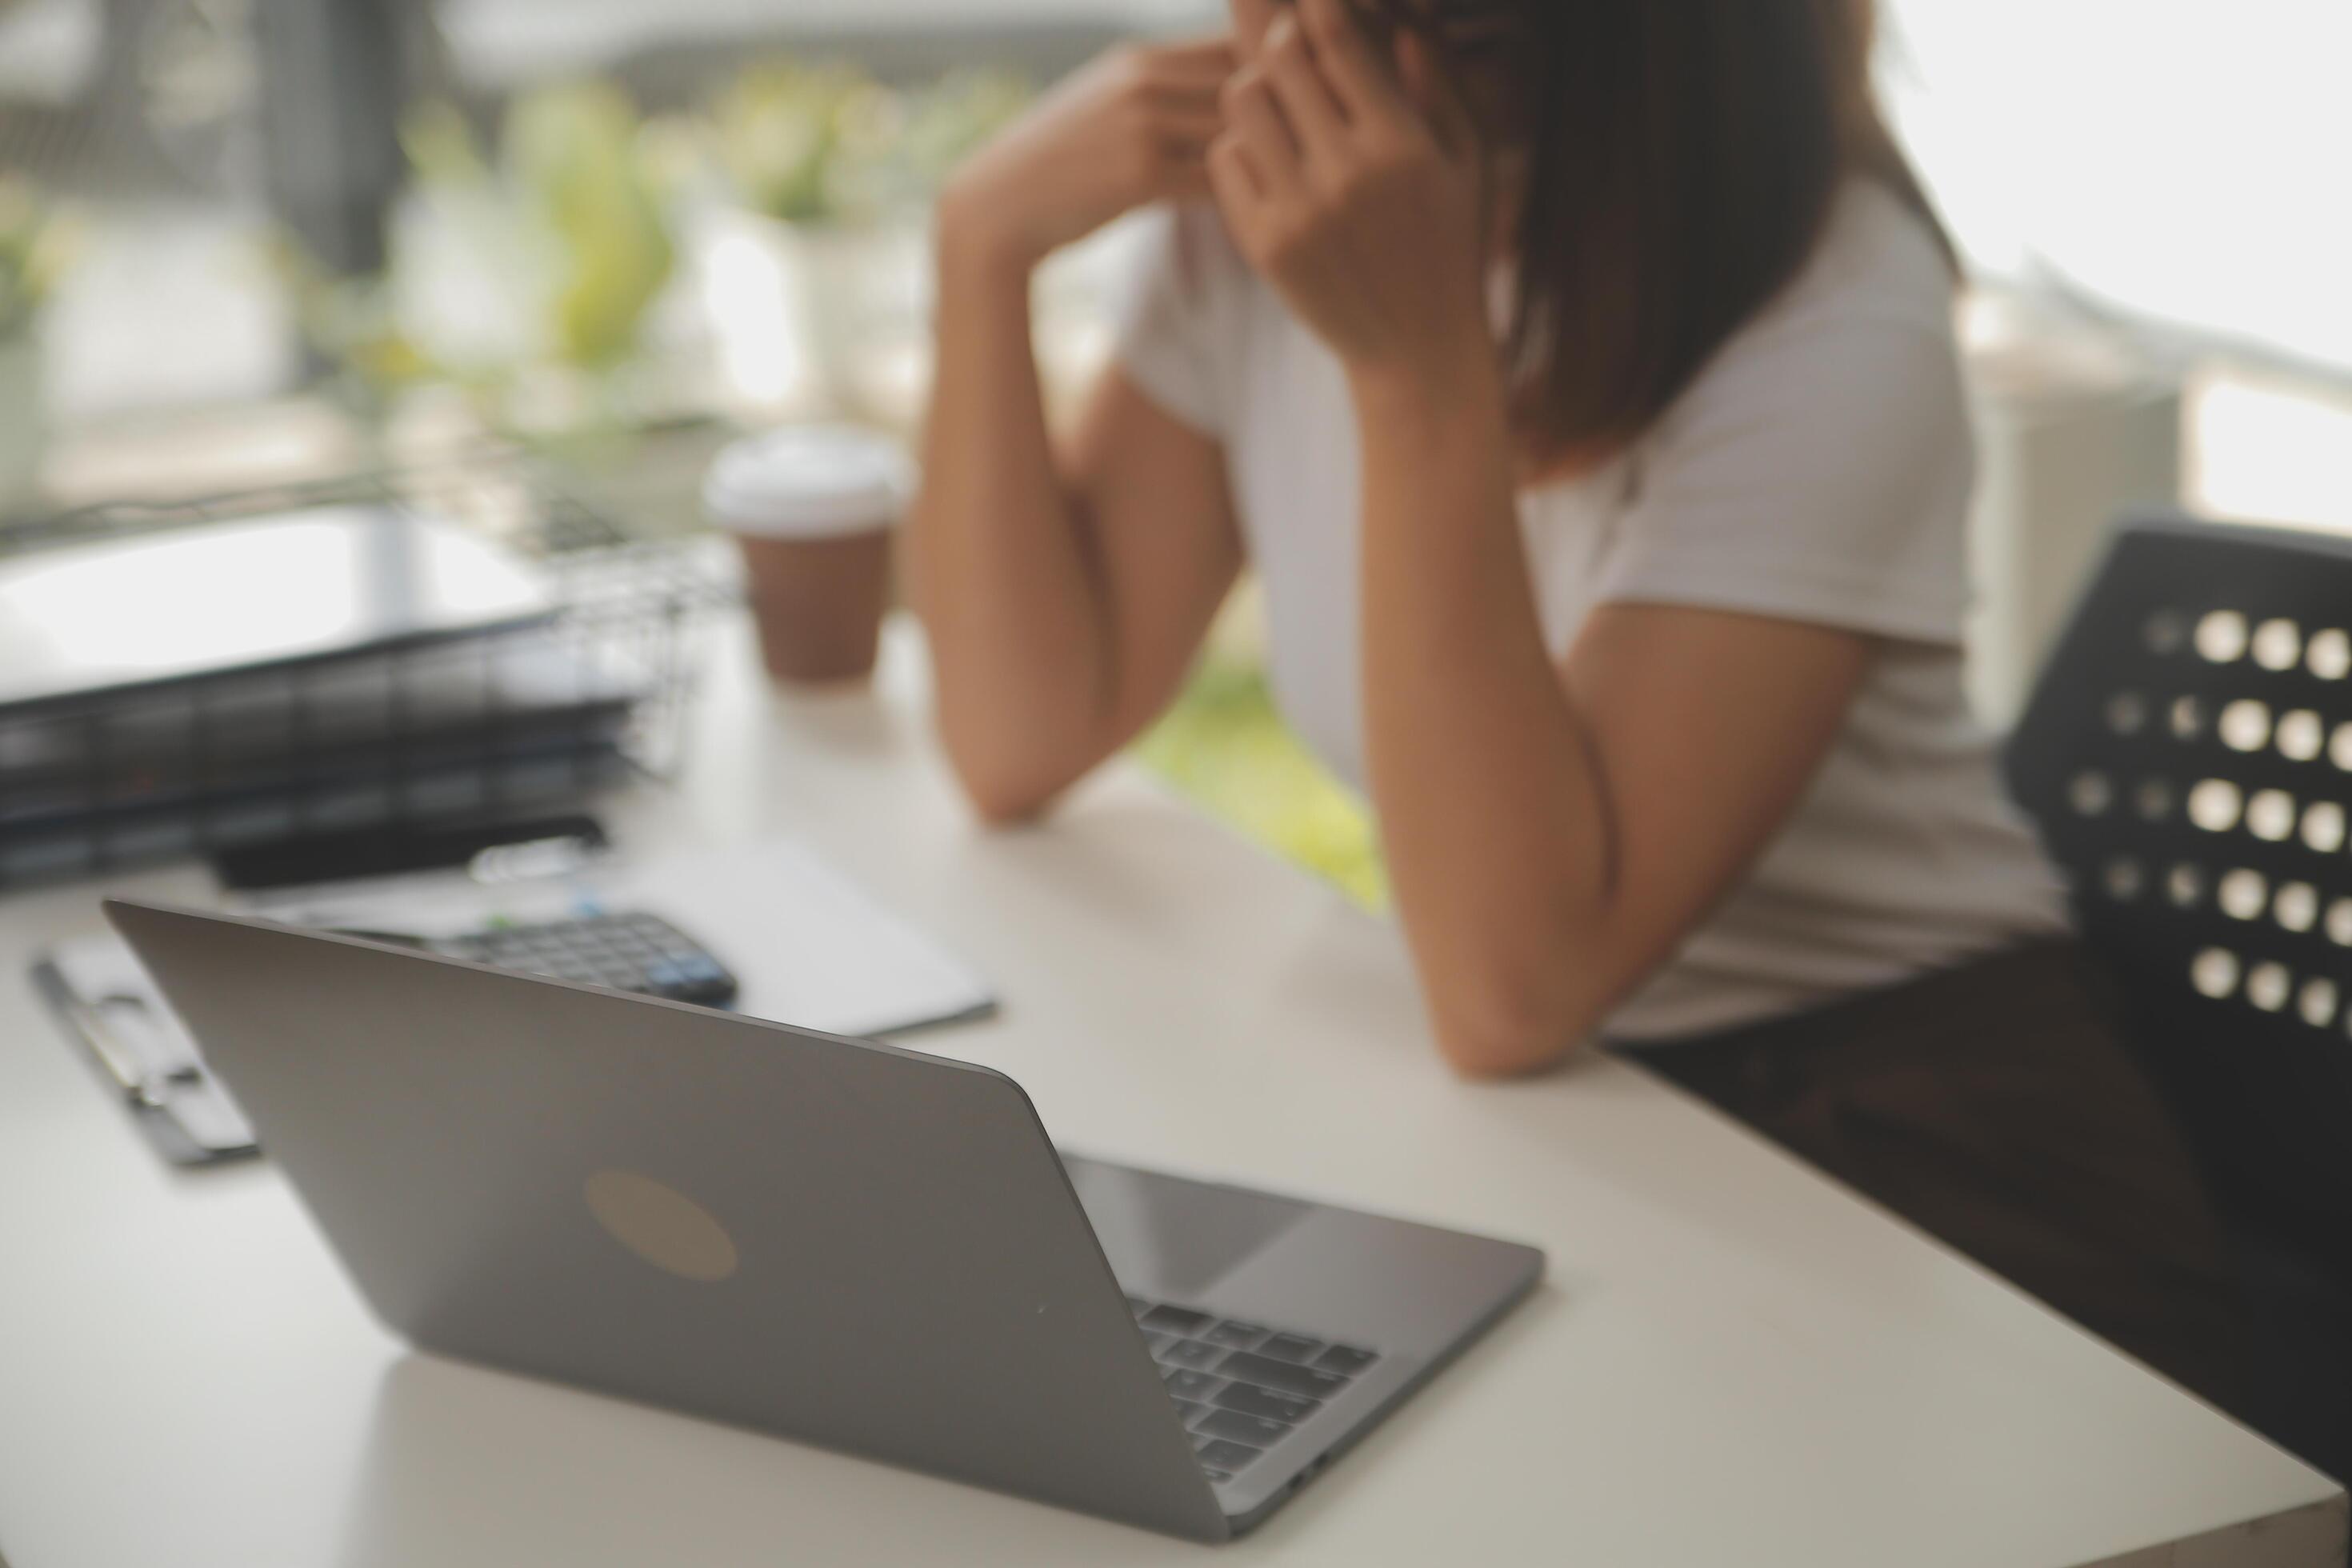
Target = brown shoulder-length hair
(1681,161)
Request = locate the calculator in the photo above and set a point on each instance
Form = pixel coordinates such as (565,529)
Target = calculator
(622,951)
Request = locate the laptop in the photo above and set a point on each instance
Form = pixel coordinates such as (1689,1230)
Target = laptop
(837,1240)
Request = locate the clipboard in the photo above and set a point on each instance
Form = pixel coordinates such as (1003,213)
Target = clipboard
(107,1003)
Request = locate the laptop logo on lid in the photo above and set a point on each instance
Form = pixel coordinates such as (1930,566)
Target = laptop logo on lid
(662,1226)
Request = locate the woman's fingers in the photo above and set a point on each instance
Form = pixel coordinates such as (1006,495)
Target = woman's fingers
(1439,96)
(1254,116)
(1308,102)
(1235,180)
(1184,68)
(1202,64)
(1360,79)
(1193,124)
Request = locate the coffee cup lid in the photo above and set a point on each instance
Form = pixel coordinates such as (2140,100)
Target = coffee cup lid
(810,481)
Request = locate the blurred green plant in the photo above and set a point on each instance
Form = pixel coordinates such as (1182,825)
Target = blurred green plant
(352,322)
(566,229)
(1224,746)
(558,244)
(824,143)
(949,121)
(574,179)
(34,250)
(800,141)
(576,158)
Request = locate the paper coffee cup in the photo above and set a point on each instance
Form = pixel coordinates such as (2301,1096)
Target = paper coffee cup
(814,509)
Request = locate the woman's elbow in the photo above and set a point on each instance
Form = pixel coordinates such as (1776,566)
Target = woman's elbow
(1002,799)
(1488,1056)
(1503,1029)
(998,777)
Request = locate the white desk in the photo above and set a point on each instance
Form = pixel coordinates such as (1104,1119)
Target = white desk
(1733,1362)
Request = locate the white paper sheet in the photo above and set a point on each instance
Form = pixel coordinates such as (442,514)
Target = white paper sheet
(807,945)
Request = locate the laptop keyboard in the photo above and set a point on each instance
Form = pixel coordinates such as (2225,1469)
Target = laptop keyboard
(1241,1387)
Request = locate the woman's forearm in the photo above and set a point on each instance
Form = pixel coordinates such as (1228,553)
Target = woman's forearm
(1003,573)
(1354,182)
(1043,663)
(1554,833)
(1494,813)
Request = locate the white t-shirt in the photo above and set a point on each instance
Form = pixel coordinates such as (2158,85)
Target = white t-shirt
(1817,471)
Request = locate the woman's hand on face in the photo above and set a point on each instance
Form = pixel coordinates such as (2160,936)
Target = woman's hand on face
(1130,129)
(1362,206)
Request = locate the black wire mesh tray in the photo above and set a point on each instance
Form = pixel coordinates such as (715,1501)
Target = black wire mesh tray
(517,709)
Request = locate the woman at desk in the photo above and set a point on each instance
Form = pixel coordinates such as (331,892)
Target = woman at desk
(1579,379)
